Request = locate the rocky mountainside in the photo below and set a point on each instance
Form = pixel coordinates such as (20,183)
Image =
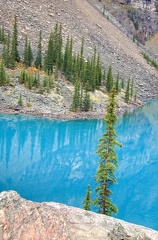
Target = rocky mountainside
(23,220)
(138,19)
(79,18)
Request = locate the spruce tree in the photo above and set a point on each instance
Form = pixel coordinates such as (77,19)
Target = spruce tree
(66,54)
(117,84)
(49,61)
(81,57)
(30,54)
(76,96)
(30,81)
(131,89)
(2,35)
(122,84)
(6,51)
(87,200)
(22,78)
(38,61)
(105,174)
(86,100)
(20,100)
(2,74)
(14,51)
(127,93)
(59,59)
(26,52)
(109,81)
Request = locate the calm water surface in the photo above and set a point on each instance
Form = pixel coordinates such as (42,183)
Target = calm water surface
(49,160)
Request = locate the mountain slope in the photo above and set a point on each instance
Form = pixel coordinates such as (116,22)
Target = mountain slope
(79,18)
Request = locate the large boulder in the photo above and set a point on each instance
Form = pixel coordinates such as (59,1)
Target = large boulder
(23,220)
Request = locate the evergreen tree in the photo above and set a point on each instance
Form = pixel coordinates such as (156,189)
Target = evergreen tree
(122,84)
(6,51)
(127,93)
(20,100)
(105,174)
(59,59)
(66,54)
(38,61)
(2,35)
(117,84)
(49,61)
(56,74)
(109,82)
(87,200)
(30,54)
(26,52)
(30,81)
(68,66)
(23,77)
(45,81)
(48,87)
(86,100)
(2,75)
(14,51)
(76,96)
(36,80)
(81,57)
(135,97)
(131,89)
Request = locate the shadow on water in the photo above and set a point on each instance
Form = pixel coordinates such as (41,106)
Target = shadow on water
(50,160)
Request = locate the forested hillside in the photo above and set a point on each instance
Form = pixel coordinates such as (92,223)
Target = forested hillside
(92,51)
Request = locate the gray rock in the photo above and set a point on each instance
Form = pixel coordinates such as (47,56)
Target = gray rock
(23,220)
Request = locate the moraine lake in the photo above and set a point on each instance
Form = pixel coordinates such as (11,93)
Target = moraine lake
(55,160)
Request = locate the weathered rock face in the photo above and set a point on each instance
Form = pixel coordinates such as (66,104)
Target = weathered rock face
(21,219)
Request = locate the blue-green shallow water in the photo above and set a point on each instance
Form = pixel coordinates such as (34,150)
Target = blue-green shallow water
(48,160)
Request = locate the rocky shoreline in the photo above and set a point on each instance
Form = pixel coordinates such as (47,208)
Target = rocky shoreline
(68,115)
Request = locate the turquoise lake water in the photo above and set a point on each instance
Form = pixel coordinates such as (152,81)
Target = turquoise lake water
(50,160)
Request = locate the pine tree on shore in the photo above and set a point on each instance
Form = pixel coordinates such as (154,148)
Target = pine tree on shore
(105,174)
(87,202)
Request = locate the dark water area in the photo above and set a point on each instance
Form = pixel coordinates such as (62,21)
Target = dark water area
(54,160)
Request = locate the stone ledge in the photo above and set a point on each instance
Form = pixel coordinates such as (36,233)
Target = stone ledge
(23,220)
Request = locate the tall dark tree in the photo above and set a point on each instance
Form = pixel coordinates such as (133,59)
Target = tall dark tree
(38,61)
(109,81)
(117,84)
(127,93)
(2,35)
(4,77)
(14,51)
(49,61)
(26,51)
(86,102)
(6,51)
(76,96)
(105,174)
(30,54)
(131,89)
